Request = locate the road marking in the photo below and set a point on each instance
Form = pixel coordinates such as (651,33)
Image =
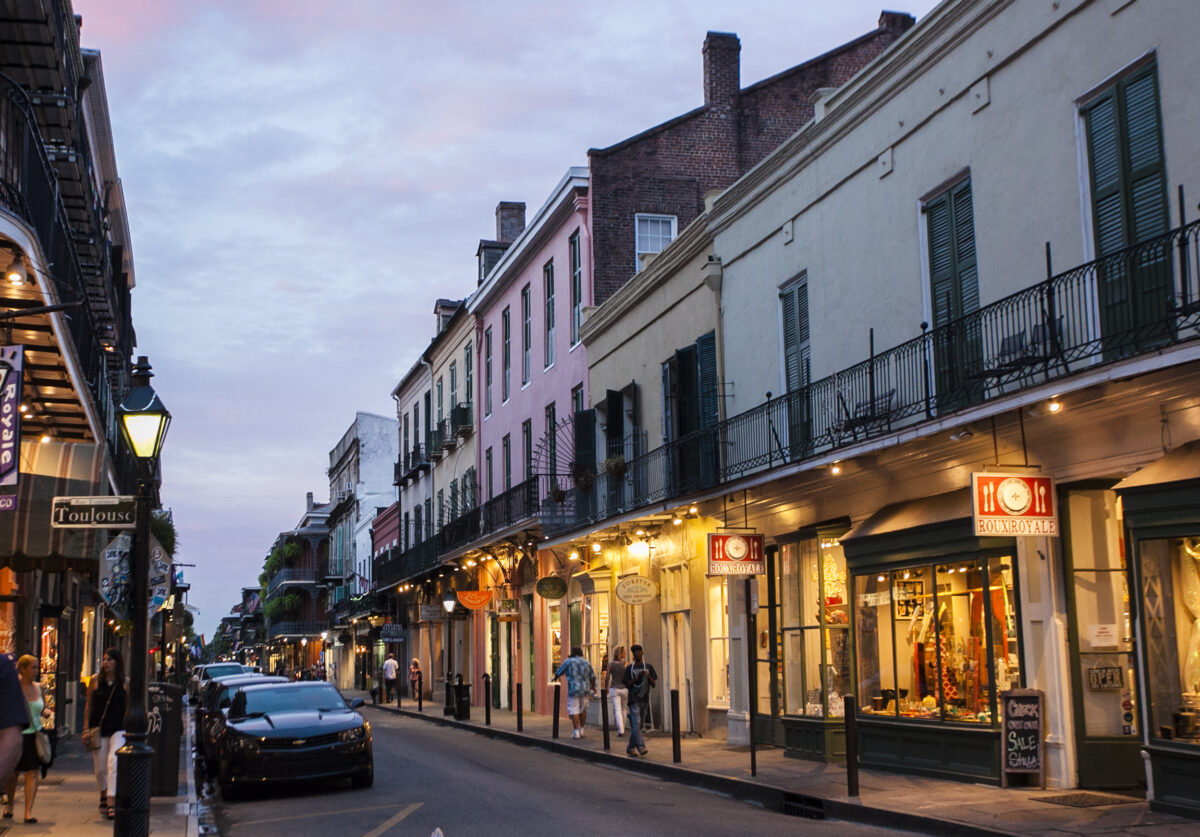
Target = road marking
(338,813)
(387,825)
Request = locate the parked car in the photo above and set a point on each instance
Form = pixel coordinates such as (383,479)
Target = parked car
(201,674)
(215,698)
(286,732)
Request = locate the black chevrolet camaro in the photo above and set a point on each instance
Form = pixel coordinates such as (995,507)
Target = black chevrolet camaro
(287,732)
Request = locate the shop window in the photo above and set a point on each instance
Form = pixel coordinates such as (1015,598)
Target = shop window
(718,642)
(674,586)
(595,630)
(937,642)
(815,628)
(554,620)
(1170,581)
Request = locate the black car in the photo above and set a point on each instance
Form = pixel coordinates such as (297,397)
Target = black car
(215,699)
(286,732)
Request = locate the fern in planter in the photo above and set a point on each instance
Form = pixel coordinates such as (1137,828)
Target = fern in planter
(583,475)
(616,467)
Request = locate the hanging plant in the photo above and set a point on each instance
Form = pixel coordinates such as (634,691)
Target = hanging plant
(557,494)
(583,475)
(616,467)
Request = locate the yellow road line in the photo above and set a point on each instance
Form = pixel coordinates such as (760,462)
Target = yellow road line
(333,813)
(387,825)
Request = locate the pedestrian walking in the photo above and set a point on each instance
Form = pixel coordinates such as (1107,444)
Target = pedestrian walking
(618,695)
(390,669)
(581,680)
(13,716)
(29,763)
(104,711)
(639,679)
(414,677)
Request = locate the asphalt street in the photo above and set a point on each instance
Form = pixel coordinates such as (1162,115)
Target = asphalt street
(428,778)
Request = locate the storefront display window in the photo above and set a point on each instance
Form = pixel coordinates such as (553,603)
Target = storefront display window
(718,642)
(815,628)
(1170,580)
(48,668)
(937,642)
(554,620)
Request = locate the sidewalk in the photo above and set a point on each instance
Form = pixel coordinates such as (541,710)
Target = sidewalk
(67,801)
(815,789)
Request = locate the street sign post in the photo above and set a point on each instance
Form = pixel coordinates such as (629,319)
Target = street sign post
(92,512)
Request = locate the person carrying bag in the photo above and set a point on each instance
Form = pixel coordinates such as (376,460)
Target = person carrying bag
(104,714)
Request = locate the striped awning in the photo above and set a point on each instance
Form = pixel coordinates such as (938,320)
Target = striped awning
(48,470)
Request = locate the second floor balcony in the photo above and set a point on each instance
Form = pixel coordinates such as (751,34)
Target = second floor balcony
(291,577)
(295,628)
(1135,302)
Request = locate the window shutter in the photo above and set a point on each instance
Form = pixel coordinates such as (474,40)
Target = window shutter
(1105,158)
(1144,130)
(964,249)
(706,356)
(687,417)
(668,401)
(614,424)
(794,305)
(941,260)
(585,440)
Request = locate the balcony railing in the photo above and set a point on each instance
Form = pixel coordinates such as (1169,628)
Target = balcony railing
(396,565)
(309,628)
(461,421)
(1135,301)
(449,440)
(433,443)
(415,462)
(291,576)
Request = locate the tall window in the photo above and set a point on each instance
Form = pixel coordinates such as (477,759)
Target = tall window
(453,499)
(1129,203)
(468,374)
(506,456)
(576,288)
(405,451)
(453,384)
(468,489)
(440,412)
(797,361)
(418,529)
(548,287)
(552,438)
(487,371)
(718,641)
(428,517)
(407,533)
(954,288)
(527,446)
(654,232)
(577,398)
(441,508)
(526,333)
(488,472)
(505,353)
(417,438)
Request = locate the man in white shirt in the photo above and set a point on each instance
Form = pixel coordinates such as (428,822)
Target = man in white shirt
(390,669)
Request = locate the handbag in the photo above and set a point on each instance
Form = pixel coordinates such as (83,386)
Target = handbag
(91,735)
(41,739)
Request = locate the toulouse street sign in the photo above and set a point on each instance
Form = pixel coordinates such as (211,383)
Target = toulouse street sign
(92,513)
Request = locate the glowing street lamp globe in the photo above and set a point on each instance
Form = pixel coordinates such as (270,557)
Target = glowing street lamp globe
(144,417)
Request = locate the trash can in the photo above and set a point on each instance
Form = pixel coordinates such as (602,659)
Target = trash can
(462,701)
(164,729)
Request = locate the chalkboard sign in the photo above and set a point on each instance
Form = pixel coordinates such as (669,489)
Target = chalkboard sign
(1022,734)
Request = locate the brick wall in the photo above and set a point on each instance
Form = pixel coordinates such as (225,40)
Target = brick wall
(669,168)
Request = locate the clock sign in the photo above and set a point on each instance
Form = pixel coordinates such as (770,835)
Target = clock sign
(735,554)
(1013,505)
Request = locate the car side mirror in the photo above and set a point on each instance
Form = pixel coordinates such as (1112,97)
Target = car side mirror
(354,703)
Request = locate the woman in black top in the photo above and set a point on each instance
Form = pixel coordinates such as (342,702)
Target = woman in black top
(105,713)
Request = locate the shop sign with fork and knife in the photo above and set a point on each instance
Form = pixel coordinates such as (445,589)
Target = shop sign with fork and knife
(1013,505)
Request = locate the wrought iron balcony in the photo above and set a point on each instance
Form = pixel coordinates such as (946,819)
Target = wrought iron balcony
(433,443)
(396,565)
(449,440)
(1132,302)
(295,628)
(291,577)
(461,420)
(415,462)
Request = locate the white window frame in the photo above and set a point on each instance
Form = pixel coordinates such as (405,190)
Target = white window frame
(641,245)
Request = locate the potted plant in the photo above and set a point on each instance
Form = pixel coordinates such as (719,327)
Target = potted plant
(616,467)
(583,475)
(557,494)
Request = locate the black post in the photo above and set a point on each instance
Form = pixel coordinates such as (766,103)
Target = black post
(162,647)
(604,716)
(751,674)
(557,706)
(487,699)
(676,756)
(851,746)
(520,718)
(925,369)
(135,759)
(420,691)
(448,709)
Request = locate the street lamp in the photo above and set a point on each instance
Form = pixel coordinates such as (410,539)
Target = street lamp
(144,421)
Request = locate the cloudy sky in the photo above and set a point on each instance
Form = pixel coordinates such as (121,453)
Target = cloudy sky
(305,177)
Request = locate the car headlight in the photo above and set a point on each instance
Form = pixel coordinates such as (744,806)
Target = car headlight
(243,743)
(347,736)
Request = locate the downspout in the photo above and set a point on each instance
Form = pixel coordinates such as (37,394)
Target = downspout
(713,278)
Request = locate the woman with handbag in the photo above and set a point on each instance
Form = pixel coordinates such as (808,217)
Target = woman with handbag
(31,759)
(105,714)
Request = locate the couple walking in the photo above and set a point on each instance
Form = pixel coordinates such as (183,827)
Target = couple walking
(626,683)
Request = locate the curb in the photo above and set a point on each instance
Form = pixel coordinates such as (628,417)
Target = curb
(769,796)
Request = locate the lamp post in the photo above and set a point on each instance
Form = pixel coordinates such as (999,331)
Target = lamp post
(144,421)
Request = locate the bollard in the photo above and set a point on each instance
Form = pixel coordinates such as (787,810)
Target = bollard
(851,746)
(420,691)
(487,699)
(557,705)
(520,718)
(604,715)
(448,709)
(676,755)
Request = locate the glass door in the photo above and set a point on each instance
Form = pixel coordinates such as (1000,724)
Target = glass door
(1107,739)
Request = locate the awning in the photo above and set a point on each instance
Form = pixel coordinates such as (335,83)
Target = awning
(48,470)
(1165,492)
(1180,465)
(916,529)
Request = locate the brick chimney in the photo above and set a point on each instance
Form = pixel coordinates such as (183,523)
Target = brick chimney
(722,73)
(898,22)
(510,220)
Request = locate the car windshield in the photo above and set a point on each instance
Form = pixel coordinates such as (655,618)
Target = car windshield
(287,698)
(217,671)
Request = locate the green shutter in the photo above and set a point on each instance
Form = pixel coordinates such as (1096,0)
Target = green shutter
(794,305)
(954,292)
(706,358)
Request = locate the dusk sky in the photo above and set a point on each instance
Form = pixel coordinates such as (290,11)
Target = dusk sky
(304,178)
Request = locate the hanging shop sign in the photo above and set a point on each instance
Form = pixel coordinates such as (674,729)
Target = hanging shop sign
(391,631)
(474,599)
(12,361)
(92,512)
(636,590)
(551,587)
(735,554)
(431,613)
(1013,505)
(507,610)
